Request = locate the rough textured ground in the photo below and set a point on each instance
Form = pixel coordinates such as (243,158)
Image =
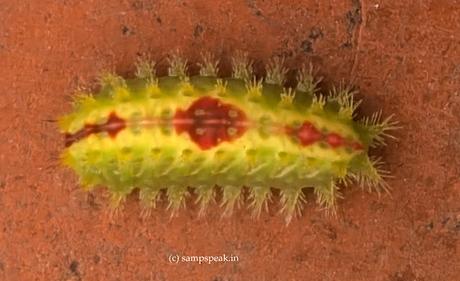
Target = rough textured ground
(403,55)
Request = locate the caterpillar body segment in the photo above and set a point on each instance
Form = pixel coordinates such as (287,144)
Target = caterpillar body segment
(175,133)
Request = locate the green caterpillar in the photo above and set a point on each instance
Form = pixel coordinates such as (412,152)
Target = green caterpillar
(164,135)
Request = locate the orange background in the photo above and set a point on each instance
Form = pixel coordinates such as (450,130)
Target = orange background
(404,56)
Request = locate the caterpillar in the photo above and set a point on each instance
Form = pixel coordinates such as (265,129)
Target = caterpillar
(176,133)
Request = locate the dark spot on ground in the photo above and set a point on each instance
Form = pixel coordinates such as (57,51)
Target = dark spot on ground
(353,16)
(430,226)
(353,19)
(158,19)
(315,33)
(127,31)
(2,266)
(252,5)
(96,259)
(74,267)
(47,17)
(451,224)
(198,30)
(307,46)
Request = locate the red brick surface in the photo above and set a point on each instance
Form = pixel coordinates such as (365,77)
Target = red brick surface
(404,56)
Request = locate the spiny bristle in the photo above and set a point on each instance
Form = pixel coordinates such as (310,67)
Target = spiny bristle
(380,184)
(81,99)
(145,69)
(149,197)
(318,103)
(206,195)
(254,88)
(176,197)
(379,129)
(146,212)
(114,213)
(109,79)
(276,72)
(209,66)
(231,198)
(242,66)
(306,80)
(116,200)
(344,96)
(177,66)
(287,96)
(372,175)
(260,195)
(292,200)
(187,89)
(327,196)
(221,87)
(345,181)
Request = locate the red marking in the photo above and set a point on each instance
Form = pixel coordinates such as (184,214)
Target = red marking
(334,140)
(307,134)
(356,146)
(112,126)
(209,122)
